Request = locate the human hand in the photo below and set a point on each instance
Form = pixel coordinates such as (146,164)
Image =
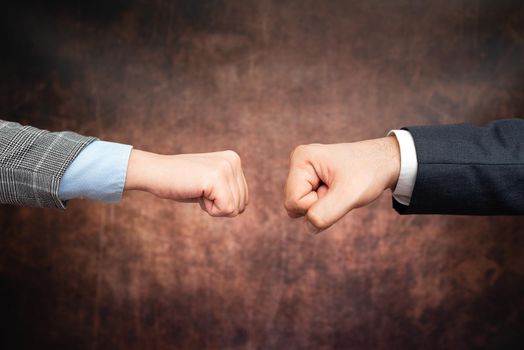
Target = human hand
(325,182)
(214,180)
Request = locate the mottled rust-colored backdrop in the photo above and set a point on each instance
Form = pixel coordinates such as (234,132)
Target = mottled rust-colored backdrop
(259,77)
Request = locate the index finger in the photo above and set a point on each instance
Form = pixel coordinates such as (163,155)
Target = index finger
(300,191)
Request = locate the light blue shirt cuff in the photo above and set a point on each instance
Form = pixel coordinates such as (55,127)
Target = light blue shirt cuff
(99,173)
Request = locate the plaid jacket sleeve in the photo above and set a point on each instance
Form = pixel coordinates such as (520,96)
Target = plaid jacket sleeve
(32,163)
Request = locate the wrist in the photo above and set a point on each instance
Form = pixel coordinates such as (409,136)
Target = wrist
(139,170)
(392,161)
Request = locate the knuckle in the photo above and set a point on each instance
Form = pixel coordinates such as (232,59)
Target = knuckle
(214,213)
(299,150)
(224,167)
(224,163)
(294,208)
(233,156)
(230,209)
(302,151)
(290,204)
(317,220)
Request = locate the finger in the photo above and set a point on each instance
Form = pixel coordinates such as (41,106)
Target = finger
(302,205)
(241,188)
(246,190)
(244,197)
(333,205)
(231,208)
(220,201)
(300,190)
(203,204)
(309,199)
(233,184)
(237,182)
(234,180)
(321,191)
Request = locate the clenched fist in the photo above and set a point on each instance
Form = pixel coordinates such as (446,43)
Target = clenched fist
(327,181)
(215,180)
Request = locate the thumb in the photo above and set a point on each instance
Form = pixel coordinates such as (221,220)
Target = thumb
(332,206)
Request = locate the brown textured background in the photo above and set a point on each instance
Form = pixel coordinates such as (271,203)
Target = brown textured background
(259,77)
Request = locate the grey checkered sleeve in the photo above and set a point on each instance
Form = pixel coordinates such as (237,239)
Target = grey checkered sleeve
(32,163)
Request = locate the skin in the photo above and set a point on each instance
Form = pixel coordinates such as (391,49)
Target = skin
(214,180)
(325,182)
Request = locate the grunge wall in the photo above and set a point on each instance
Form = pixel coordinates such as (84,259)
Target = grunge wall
(259,77)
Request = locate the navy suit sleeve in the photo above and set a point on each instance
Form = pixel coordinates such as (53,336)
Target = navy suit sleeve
(468,170)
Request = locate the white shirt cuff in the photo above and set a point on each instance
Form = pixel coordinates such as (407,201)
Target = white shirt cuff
(408,166)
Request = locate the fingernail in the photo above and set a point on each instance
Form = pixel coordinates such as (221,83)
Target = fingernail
(311,228)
